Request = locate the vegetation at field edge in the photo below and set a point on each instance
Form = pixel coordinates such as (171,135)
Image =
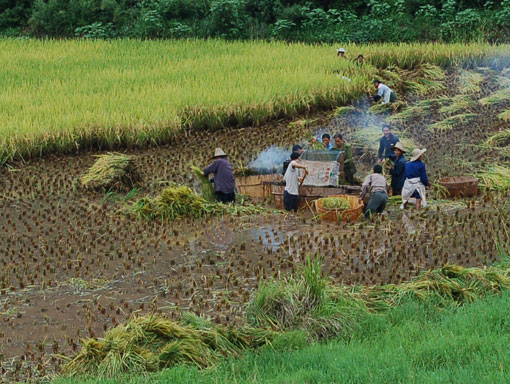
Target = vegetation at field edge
(413,343)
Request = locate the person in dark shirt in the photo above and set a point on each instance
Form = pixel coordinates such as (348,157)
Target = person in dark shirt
(224,184)
(386,143)
(416,180)
(398,169)
(349,167)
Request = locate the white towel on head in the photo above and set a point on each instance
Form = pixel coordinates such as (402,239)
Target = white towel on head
(410,186)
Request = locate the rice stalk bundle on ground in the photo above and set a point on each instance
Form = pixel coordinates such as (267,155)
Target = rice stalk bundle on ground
(469,81)
(181,201)
(112,171)
(505,116)
(453,121)
(495,178)
(458,103)
(148,343)
(499,139)
(498,97)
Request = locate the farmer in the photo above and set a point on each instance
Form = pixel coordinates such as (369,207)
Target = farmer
(341,52)
(292,182)
(376,182)
(384,92)
(296,148)
(398,169)
(325,140)
(386,143)
(416,180)
(224,184)
(359,61)
(349,167)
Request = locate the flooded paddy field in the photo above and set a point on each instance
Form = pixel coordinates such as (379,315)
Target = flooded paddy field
(74,264)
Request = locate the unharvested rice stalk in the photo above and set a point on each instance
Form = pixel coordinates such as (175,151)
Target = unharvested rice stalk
(207,188)
(505,116)
(495,178)
(459,103)
(469,81)
(453,121)
(148,343)
(180,201)
(111,171)
(498,97)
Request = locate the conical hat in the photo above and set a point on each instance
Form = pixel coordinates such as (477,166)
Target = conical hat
(416,153)
(218,152)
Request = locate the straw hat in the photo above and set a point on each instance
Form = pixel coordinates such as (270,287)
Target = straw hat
(218,152)
(400,145)
(416,153)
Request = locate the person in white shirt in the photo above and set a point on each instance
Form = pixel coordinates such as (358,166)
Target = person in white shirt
(292,182)
(384,92)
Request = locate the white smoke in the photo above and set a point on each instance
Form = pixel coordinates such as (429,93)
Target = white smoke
(270,160)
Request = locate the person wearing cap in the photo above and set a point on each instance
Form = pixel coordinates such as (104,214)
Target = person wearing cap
(292,182)
(296,148)
(386,143)
(384,92)
(341,52)
(378,187)
(415,180)
(349,167)
(224,184)
(398,169)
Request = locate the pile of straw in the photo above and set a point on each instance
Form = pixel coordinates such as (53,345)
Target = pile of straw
(181,201)
(148,343)
(112,171)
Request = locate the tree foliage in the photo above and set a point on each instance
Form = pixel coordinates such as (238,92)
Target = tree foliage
(360,21)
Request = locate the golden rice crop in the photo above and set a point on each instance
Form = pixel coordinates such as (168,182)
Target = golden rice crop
(64,96)
(111,170)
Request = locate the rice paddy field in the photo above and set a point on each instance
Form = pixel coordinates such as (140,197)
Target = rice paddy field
(81,257)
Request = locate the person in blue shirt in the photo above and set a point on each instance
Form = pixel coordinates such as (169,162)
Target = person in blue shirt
(416,180)
(398,169)
(325,141)
(386,143)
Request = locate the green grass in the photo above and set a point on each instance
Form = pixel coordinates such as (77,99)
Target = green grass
(412,343)
(63,96)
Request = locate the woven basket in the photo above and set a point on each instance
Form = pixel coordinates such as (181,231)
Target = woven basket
(460,186)
(348,216)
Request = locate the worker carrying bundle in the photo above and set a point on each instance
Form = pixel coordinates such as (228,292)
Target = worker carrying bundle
(224,184)
(384,92)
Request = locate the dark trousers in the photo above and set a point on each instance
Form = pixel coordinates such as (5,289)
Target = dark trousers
(290,202)
(396,191)
(376,204)
(226,197)
(393,97)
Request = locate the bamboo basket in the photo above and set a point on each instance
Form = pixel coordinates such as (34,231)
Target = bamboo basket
(348,216)
(460,186)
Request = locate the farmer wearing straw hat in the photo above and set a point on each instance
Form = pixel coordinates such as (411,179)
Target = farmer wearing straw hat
(224,184)
(398,169)
(341,52)
(416,180)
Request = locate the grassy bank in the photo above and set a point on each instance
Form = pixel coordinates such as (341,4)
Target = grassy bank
(63,96)
(412,343)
